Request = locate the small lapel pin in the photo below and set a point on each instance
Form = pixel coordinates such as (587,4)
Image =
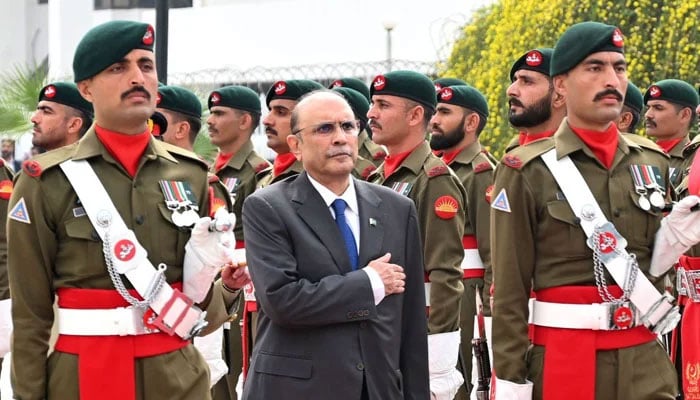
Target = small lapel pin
(372,222)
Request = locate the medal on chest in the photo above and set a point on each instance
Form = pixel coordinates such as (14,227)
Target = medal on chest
(181,201)
(649,185)
(403,188)
(232,186)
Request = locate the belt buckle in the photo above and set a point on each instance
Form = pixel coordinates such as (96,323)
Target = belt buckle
(621,315)
(166,321)
(692,280)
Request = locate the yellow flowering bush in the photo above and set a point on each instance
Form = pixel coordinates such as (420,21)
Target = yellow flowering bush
(662,40)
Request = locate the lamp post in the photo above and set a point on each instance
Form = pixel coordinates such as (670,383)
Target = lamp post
(388,27)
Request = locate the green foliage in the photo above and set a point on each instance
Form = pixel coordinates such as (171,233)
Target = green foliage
(19,89)
(662,40)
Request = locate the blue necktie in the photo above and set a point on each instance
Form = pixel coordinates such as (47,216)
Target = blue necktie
(339,206)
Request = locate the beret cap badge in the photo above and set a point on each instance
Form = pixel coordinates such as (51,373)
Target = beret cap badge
(534,58)
(280,88)
(379,82)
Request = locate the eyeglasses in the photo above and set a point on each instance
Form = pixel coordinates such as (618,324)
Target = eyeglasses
(350,128)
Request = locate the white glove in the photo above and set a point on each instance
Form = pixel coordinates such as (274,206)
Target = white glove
(205,253)
(5,326)
(445,379)
(679,231)
(211,348)
(507,390)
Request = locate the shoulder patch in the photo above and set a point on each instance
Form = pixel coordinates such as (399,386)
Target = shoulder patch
(512,161)
(5,189)
(19,212)
(32,168)
(481,167)
(379,155)
(446,207)
(501,201)
(437,170)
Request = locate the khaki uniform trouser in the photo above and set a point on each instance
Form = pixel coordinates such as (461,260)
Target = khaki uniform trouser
(642,372)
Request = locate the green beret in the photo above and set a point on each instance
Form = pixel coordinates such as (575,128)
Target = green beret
(445,82)
(65,93)
(582,40)
(108,43)
(179,99)
(464,96)
(674,91)
(537,60)
(407,84)
(291,90)
(633,97)
(358,102)
(352,83)
(238,97)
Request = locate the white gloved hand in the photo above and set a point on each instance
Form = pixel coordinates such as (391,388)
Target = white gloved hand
(445,379)
(507,390)
(211,348)
(205,253)
(679,231)
(5,326)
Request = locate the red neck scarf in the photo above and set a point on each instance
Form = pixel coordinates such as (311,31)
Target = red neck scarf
(603,144)
(221,160)
(126,149)
(392,161)
(282,162)
(525,138)
(449,157)
(667,145)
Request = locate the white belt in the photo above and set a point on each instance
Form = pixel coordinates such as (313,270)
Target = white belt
(597,316)
(121,321)
(472,259)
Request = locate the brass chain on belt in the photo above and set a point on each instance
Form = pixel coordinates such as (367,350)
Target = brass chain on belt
(118,283)
(599,268)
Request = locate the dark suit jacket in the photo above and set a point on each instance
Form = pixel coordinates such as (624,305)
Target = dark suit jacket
(319,332)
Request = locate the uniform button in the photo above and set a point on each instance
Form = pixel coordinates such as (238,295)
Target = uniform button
(360,366)
(616,213)
(139,219)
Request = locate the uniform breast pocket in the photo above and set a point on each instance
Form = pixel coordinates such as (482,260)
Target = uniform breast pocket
(171,239)
(562,230)
(82,243)
(642,226)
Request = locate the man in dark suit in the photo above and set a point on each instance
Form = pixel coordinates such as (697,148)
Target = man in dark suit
(342,301)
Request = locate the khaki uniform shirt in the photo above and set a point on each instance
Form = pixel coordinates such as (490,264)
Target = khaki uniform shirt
(369,150)
(475,168)
(247,168)
(363,168)
(6,177)
(57,247)
(426,180)
(269,179)
(677,161)
(539,243)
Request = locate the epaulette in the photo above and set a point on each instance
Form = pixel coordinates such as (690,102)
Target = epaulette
(363,168)
(642,142)
(179,151)
(434,166)
(258,163)
(482,163)
(691,147)
(35,166)
(522,155)
(379,155)
(212,178)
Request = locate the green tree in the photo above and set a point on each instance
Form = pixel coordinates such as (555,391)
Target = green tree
(662,40)
(19,89)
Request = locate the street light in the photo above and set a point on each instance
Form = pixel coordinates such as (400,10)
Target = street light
(388,27)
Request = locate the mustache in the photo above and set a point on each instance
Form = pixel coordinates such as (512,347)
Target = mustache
(515,102)
(270,131)
(650,123)
(435,128)
(608,92)
(136,89)
(341,151)
(373,124)
(212,130)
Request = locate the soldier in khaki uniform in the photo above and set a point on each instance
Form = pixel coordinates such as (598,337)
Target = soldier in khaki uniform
(402,104)
(670,116)
(234,114)
(280,100)
(535,109)
(459,119)
(360,106)
(183,115)
(368,150)
(685,350)
(62,116)
(541,245)
(52,240)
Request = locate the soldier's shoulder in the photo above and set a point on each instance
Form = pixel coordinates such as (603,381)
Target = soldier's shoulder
(434,167)
(363,168)
(520,156)
(691,147)
(183,155)
(482,163)
(643,142)
(41,163)
(260,165)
